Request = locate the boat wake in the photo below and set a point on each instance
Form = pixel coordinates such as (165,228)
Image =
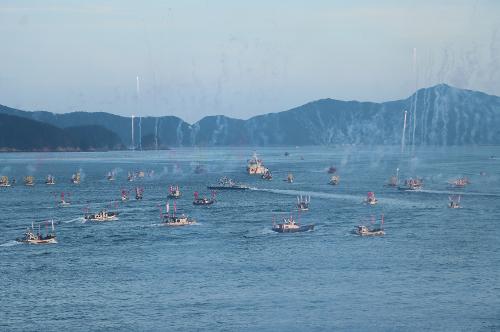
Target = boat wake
(311,193)
(354,198)
(267,230)
(10,244)
(82,219)
(454,192)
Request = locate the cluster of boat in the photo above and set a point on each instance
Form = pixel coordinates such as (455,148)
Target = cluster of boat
(255,166)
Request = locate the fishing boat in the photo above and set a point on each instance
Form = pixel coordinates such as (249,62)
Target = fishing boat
(124,195)
(366,231)
(103,215)
(412,184)
(130,177)
(139,193)
(334,180)
(111,176)
(267,175)
(173,220)
(174,192)
(50,180)
(29,181)
(63,202)
(460,182)
(394,179)
(303,203)
(140,174)
(454,202)
(370,198)
(31,238)
(332,170)
(255,166)
(289,178)
(203,200)
(4,181)
(75,178)
(199,169)
(226,183)
(289,225)
(374,230)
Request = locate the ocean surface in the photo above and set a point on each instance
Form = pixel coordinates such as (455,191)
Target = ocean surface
(435,269)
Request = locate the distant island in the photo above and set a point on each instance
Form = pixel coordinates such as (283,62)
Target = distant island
(444,116)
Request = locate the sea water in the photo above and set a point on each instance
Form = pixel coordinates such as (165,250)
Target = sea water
(435,269)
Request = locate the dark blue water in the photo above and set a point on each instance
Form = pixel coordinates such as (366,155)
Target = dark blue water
(436,268)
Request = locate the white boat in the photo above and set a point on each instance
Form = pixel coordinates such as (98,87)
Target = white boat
(75,178)
(124,195)
(255,166)
(174,192)
(454,202)
(63,202)
(102,215)
(111,176)
(289,225)
(4,181)
(394,179)
(334,180)
(371,199)
(412,184)
(50,180)
(365,231)
(374,230)
(29,181)
(173,220)
(31,238)
(460,182)
(203,200)
(139,193)
(303,203)
(130,177)
(176,221)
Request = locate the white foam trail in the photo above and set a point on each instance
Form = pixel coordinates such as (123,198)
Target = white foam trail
(73,220)
(10,244)
(451,192)
(267,230)
(354,198)
(312,194)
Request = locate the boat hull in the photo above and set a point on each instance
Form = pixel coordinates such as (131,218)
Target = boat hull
(303,228)
(374,233)
(203,203)
(178,224)
(44,241)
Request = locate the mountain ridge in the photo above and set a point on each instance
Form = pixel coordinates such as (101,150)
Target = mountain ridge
(445,115)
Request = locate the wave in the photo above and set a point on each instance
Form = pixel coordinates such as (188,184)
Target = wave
(10,243)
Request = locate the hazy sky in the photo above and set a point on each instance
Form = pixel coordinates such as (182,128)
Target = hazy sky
(239,58)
